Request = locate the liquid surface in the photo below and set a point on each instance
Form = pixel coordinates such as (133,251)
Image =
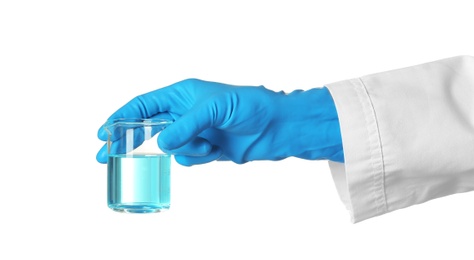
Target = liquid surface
(138,183)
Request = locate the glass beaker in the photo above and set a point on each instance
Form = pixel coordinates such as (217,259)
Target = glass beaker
(138,172)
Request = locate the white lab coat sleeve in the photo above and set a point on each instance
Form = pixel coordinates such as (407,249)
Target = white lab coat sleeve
(408,136)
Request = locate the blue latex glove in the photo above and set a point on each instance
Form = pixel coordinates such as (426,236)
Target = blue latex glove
(215,121)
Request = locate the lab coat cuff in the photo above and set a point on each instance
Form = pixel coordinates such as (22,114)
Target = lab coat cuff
(360,179)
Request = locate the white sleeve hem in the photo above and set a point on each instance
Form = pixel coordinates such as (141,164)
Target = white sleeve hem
(360,180)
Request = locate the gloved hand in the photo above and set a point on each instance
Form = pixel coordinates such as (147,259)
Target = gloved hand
(215,121)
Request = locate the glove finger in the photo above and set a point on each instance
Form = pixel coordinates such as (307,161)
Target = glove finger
(102,154)
(191,124)
(149,104)
(215,154)
(196,147)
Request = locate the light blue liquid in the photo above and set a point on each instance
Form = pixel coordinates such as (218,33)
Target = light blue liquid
(138,183)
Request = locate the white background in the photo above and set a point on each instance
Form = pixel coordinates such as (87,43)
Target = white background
(65,66)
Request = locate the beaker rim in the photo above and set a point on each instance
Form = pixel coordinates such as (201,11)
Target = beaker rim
(137,122)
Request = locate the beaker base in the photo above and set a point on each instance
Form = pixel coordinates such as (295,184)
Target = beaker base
(140,209)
